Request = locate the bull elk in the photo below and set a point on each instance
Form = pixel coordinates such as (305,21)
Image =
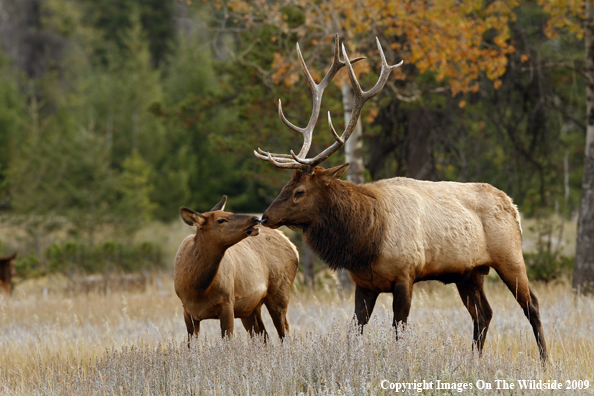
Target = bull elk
(7,271)
(395,232)
(222,274)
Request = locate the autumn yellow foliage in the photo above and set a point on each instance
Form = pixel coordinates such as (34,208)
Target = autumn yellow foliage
(456,40)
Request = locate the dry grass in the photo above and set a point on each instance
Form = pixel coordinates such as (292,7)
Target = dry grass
(134,344)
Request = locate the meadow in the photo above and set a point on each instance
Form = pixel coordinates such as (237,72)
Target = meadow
(123,343)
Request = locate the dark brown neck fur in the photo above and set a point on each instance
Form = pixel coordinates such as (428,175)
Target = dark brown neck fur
(348,230)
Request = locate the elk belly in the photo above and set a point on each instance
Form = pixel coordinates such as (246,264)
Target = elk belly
(246,303)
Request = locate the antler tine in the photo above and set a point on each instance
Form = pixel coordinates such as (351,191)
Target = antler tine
(278,156)
(312,162)
(285,160)
(384,73)
(303,161)
(316,95)
(383,78)
(278,161)
(338,138)
(308,76)
(263,155)
(290,165)
(275,155)
(287,122)
(383,57)
(337,64)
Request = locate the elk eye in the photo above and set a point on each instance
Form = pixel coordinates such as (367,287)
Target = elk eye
(221,221)
(299,193)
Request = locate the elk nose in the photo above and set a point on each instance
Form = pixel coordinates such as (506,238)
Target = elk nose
(256,219)
(264,220)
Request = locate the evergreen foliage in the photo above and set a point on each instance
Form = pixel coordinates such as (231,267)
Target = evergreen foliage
(116,113)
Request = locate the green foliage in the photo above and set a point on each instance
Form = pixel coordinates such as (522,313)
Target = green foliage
(135,187)
(72,257)
(548,262)
(12,113)
(111,20)
(546,266)
(28,266)
(66,258)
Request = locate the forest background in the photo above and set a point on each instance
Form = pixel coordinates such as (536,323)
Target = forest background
(115,114)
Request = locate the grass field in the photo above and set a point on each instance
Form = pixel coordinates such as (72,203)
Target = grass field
(134,344)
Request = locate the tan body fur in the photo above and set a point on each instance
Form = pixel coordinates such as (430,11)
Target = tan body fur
(440,228)
(250,272)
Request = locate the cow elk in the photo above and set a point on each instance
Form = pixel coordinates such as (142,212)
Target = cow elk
(7,271)
(395,232)
(222,274)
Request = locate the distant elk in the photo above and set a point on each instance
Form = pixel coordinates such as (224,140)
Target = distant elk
(393,233)
(222,274)
(7,271)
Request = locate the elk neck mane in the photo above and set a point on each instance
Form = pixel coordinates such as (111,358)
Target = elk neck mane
(348,229)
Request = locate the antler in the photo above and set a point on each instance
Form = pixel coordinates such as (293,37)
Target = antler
(299,161)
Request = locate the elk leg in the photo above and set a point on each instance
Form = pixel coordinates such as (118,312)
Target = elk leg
(279,318)
(261,327)
(402,293)
(533,315)
(364,304)
(474,299)
(192,326)
(517,282)
(254,324)
(226,318)
(251,324)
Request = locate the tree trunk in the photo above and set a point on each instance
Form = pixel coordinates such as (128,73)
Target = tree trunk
(583,273)
(353,149)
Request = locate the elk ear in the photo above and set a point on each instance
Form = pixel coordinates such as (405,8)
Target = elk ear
(331,174)
(220,205)
(191,218)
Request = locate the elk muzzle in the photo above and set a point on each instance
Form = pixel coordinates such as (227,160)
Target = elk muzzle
(251,230)
(265,221)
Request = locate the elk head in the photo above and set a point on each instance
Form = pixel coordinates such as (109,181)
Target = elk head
(307,188)
(220,227)
(297,204)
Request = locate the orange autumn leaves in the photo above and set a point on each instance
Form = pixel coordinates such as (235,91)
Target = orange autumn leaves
(444,37)
(455,40)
